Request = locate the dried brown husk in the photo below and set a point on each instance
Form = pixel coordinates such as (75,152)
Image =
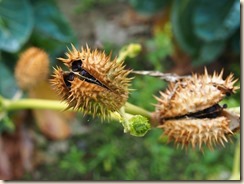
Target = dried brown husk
(191,95)
(88,97)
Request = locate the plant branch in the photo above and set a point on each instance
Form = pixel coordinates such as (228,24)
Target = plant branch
(135,110)
(236,165)
(170,77)
(9,105)
(33,104)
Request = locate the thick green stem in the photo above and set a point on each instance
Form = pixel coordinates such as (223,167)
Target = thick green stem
(9,105)
(236,165)
(33,104)
(132,109)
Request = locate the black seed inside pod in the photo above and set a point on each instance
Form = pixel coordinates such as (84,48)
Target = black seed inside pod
(211,112)
(89,78)
(225,106)
(76,66)
(227,94)
(67,78)
(84,73)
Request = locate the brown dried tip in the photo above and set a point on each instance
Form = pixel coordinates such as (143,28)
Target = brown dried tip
(94,84)
(189,112)
(32,68)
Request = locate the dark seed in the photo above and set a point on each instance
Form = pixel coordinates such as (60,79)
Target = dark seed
(67,78)
(228,94)
(212,109)
(225,106)
(213,115)
(89,78)
(211,112)
(86,74)
(76,65)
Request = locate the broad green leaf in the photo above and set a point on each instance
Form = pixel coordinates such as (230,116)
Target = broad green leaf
(208,52)
(16,23)
(54,48)
(216,20)
(50,22)
(235,42)
(6,123)
(203,28)
(181,18)
(8,85)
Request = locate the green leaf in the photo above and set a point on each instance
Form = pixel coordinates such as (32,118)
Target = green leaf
(54,48)
(216,20)
(8,85)
(203,28)
(235,42)
(181,18)
(50,22)
(148,7)
(6,124)
(16,23)
(208,52)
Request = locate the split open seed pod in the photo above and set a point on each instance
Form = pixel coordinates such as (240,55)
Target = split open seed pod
(189,112)
(93,84)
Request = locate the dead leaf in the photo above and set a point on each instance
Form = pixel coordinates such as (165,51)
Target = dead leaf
(16,153)
(53,124)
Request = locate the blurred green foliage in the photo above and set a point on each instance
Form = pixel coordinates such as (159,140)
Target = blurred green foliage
(204,28)
(86,5)
(106,153)
(148,7)
(26,23)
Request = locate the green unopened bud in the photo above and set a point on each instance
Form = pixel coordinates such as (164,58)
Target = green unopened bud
(131,50)
(138,125)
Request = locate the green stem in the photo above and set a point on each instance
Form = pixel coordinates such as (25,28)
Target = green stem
(9,105)
(133,109)
(33,104)
(236,165)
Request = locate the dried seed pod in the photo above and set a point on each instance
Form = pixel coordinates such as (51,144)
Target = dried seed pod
(189,112)
(32,68)
(194,94)
(98,85)
(193,131)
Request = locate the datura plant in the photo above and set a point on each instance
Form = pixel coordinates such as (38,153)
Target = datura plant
(188,111)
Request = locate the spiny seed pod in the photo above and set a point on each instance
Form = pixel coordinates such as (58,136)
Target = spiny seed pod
(193,131)
(94,84)
(189,112)
(31,68)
